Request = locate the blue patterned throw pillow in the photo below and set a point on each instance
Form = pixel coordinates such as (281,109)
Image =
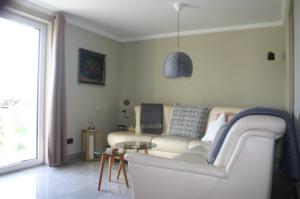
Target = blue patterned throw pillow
(188,121)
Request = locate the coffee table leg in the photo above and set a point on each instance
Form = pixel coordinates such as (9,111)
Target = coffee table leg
(146,151)
(122,164)
(110,162)
(101,170)
(119,170)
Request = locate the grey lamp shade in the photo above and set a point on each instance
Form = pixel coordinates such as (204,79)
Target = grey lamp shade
(178,64)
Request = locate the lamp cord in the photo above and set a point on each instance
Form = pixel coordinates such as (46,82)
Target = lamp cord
(178,31)
(178,59)
(270,35)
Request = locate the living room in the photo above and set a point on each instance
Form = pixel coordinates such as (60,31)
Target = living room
(228,42)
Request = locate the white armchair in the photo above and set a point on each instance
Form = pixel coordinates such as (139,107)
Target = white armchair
(242,169)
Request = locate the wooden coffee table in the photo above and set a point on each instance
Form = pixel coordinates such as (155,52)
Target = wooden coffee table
(111,154)
(136,145)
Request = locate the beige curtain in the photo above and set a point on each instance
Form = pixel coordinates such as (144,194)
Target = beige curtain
(56,149)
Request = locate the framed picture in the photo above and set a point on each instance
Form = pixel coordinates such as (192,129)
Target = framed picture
(91,69)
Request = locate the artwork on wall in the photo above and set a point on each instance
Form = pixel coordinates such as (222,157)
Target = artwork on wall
(91,69)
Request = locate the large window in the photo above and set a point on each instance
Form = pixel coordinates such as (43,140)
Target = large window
(22,60)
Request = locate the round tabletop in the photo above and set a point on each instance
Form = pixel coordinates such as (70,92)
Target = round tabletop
(109,151)
(135,145)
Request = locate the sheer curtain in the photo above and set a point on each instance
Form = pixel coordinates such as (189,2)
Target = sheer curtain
(55,128)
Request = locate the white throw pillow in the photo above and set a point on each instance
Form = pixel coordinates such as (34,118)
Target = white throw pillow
(213,128)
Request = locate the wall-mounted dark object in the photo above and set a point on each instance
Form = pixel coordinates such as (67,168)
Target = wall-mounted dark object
(70,141)
(271,56)
(121,127)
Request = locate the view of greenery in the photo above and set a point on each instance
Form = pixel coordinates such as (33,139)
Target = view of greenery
(13,134)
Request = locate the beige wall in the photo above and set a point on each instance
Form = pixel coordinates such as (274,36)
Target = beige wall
(289,48)
(230,69)
(86,102)
(297,73)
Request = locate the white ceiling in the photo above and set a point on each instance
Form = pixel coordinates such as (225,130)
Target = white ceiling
(127,20)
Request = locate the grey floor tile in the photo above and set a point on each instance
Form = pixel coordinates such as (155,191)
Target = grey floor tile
(74,181)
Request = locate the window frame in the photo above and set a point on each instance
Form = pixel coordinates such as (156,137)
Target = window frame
(43,31)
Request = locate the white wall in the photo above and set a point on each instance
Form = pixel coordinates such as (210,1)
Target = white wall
(87,102)
(220,61)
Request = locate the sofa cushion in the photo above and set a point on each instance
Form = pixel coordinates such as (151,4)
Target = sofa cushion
(162,153)
(188,121)
(173,144)
(213,128)
(188,156)
(125,136)
(197,153)
(194,143)
(192,157)
(197,146)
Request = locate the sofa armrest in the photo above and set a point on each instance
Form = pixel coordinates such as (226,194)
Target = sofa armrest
(265,123)
(177,165)
(253,125)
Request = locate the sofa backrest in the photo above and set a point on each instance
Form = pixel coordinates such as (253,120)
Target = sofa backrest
(215,111)
(168,116)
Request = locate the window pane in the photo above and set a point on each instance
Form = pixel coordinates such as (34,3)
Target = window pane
(19,50)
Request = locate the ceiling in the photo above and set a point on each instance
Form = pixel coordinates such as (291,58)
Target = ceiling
(128,20)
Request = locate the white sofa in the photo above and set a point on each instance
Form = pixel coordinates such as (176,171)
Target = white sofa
(242,169)
(167,145)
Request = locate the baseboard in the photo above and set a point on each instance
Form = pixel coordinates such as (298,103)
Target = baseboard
(74,156)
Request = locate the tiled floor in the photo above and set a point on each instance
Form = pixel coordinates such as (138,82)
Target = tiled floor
(78,180)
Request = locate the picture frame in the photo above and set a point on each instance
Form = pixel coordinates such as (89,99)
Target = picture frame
(91,67)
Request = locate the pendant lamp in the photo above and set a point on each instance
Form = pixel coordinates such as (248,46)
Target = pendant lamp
(178,64)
